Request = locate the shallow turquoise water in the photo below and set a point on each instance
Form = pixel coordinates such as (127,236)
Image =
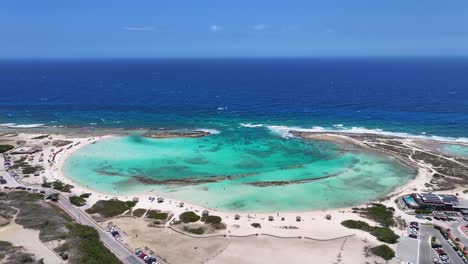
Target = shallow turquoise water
(457,150)
(240,160)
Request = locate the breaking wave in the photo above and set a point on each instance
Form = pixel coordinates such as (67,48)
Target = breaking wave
(14,125)
(250,125)
(209,130)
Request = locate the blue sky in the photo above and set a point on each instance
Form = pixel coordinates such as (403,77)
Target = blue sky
(242,28)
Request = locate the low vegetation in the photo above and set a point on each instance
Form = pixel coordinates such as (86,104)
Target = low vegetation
(40,137)
(211,219)
(110,208)
(158,215)
(197,231)
(61,143)
(139,212)
(423,211)
(383,251)
(256,225)
(23,165)
(189,217)
(214,221)
(77,200)
(79,244)
(92,249)
(60,186)
(5,148)
(13,254)
(378,213)
(384,234)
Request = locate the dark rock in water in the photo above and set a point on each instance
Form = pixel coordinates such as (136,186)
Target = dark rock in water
(280,183)
(169,134)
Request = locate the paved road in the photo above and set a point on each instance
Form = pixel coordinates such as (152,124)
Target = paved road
(122,252)
(428,231)
(426,254)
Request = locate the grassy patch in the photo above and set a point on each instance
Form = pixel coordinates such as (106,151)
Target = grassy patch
(197,231)
(384,234)
(91,248)
(465,191)
(383,251)
(5,148)
(110,208)
(189,217)
(155,214)
(378,213)
(139,212)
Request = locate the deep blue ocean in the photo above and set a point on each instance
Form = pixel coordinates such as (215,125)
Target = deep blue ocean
(418,96)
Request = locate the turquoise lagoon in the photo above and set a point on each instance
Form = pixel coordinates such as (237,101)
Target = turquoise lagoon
(250,169)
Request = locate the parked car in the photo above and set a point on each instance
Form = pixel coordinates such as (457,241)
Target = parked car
(413,236)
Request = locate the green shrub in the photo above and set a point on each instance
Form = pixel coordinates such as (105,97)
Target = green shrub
(256,225)
(189,217)
(77,200)
(5,148)
(423,211)
(154,214)
(384,234)
(211,219)
(40,137)
(383,251)
(197,231)
(60,186)
(110,208)
(85,195)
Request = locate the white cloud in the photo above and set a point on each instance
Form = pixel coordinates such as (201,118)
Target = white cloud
(260,27)
(215,28)
(139,28)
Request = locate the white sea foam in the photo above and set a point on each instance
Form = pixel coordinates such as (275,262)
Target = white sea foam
(7,124)
(209,130)
(13,125)
(284,131)
(250,125)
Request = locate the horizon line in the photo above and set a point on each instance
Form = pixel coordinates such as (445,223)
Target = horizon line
(238,57)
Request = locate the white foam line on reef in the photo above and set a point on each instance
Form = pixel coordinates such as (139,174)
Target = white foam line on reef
(284,131)
(250,125)
(13,125)
(209,130)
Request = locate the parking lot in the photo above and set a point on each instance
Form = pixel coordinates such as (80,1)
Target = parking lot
(428,254)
